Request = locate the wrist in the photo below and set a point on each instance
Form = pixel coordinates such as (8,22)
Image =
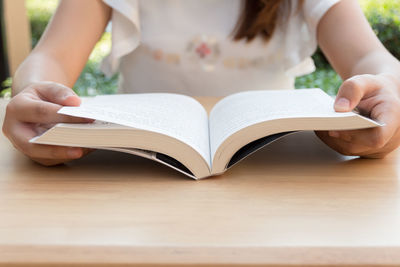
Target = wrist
(393,79)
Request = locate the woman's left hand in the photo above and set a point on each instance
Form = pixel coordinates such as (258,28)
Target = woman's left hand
(376,96)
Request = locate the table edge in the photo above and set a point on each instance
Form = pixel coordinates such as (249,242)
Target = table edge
(217,255)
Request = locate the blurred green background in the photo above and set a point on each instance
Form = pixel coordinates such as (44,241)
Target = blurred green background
(383,15)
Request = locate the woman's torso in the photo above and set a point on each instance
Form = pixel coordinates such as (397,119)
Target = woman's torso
(186,47)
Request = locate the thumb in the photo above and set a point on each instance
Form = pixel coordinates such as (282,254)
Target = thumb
(353,90)
(57,93)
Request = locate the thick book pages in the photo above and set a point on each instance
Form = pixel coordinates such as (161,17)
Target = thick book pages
(175,130)
(170,124)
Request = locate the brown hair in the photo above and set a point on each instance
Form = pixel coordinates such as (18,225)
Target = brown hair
(260,17)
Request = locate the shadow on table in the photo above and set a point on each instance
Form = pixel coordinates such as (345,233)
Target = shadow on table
(300,155)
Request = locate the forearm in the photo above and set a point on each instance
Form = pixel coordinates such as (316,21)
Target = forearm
(66,44)
(377,62)
(40,67)
(350,44)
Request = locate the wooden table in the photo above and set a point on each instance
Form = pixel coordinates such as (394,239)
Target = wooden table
(294,203)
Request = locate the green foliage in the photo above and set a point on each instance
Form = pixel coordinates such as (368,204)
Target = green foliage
(320,60)
(39,13)
(326,79)
(92,80)
(384,16)
(6,86)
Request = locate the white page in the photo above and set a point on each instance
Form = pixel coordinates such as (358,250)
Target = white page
(174,115)
(241,110)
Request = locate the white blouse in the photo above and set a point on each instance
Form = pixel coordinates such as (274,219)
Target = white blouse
(186,46)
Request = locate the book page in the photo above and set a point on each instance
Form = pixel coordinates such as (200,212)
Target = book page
(241,110)
(179,116)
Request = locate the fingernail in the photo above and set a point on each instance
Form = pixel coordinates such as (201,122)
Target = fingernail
(342,104)
(74,152)
(334,134)
(68,95)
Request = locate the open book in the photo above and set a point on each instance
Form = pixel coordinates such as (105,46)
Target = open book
(175,130)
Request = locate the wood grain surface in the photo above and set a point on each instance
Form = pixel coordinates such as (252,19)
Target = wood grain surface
(294,203)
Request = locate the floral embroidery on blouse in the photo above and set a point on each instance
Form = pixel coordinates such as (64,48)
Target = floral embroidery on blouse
(204,51)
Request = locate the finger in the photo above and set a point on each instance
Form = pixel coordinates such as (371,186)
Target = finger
(387,113)
(26,109)
(22,133)
(50,162)
(353,90)
(385,110)
(342,146)
(56,93)
(87,151)
(374,138)
(53,162)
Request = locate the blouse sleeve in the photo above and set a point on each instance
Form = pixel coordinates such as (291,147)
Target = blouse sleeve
(125,32)
(314,10)
(301,35)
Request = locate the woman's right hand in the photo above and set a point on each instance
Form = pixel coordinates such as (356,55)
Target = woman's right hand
(34,109)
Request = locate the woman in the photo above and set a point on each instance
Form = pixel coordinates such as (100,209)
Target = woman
(208,48)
